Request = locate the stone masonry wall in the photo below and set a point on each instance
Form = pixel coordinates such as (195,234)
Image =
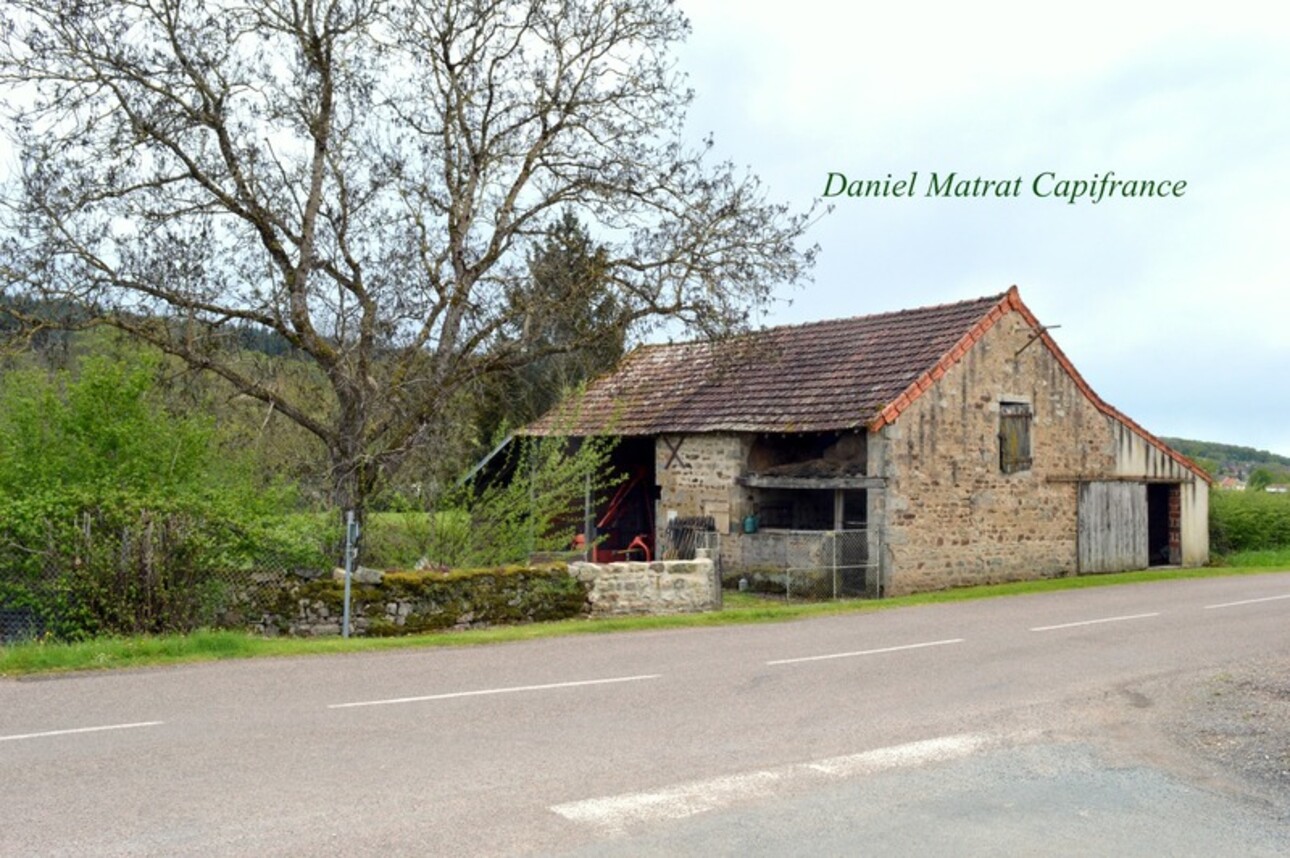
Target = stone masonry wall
(696,476)
(949,516)
(394,603)
(660,587)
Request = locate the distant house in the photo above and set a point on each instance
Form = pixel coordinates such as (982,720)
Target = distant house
(957,441)
(1231,484)
(1278,488)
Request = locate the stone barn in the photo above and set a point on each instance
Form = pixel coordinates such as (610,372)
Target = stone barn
(917,450)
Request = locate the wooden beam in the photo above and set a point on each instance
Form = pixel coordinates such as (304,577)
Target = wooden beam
(1098,478)
(756,481)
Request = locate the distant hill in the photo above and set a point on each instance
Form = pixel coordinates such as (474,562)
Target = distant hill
(244,335)
(1230,459)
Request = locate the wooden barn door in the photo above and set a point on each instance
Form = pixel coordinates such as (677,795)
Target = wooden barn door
(1112,526)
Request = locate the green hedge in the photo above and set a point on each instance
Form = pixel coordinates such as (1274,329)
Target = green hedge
(1248,521)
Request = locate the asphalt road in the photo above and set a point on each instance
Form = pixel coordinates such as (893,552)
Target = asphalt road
(1019,725)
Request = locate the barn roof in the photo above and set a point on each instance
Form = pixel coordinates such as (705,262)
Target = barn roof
(818,377)
(837,374)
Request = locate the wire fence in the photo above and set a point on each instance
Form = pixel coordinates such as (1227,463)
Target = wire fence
(808,564)
(76,604)
(149,573)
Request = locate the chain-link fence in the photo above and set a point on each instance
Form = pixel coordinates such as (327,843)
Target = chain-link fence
(173,572)
(57,609)
(69,604)
(145,573)
(808,564)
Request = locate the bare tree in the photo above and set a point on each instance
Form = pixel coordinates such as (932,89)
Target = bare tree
(366,179)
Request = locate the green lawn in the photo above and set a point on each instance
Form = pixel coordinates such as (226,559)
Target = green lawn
(30,658)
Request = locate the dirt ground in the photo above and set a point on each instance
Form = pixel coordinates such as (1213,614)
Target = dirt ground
(1239,720)
(1227,730)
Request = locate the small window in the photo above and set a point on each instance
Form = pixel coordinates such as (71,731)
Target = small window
(1014,437)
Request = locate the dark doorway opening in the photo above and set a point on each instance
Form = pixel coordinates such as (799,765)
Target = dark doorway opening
(624,521)
(855,509)
(1163,533)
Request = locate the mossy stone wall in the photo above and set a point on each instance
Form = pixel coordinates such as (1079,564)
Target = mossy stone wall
(411,602)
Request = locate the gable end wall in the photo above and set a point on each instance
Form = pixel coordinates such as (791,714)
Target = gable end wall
(950,517)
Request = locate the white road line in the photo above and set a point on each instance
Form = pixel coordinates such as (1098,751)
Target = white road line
(1094,622)
(899,756)
(487,691)
(614,814)
(1246,602)
(80,730)
(865,652)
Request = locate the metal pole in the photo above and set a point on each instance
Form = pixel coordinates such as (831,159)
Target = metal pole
(837,535)
(533,467)
(587,521)
(350,532)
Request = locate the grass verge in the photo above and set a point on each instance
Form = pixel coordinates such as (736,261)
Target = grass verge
(740,608)
(1272,558)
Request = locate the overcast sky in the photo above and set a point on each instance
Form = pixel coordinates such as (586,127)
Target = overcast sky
(1175,310)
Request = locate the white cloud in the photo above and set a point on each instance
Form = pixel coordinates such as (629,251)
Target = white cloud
(1175,309)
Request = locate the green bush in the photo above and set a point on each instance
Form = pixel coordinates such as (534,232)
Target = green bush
(1248,521)
(119,516)
(113,563)
(531,501)
(401,540)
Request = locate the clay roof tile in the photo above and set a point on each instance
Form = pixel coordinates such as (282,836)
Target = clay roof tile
(820,376)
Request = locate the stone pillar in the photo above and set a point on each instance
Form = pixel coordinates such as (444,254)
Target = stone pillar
(877,530)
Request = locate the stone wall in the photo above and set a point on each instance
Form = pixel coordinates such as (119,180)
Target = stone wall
(397,603)
(696,477)
(948,516)
(660,587)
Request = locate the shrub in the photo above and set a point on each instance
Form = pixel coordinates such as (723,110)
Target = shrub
(118,516)
(125,564)
(1248,521)
(532,501)
(401,540)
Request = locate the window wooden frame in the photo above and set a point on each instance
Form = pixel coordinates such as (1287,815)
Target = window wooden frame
(1015,419)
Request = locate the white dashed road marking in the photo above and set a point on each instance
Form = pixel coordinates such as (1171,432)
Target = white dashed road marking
(865,652)
(902,756)
(1247,602)
(1094,622)
(513,690)
(616,813)
(79,730)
